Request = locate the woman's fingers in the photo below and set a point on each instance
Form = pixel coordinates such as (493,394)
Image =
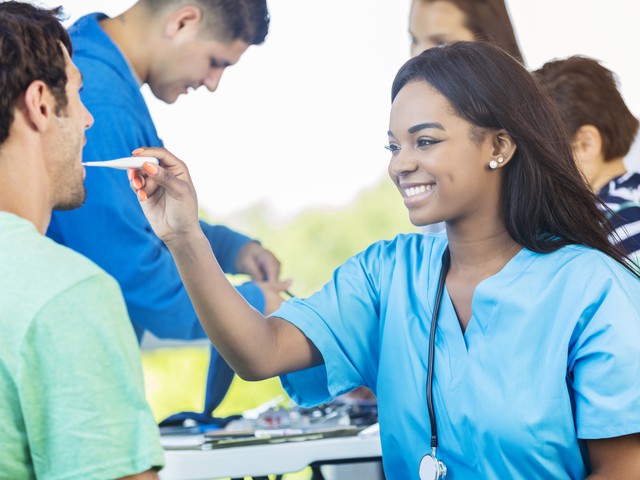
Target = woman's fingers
(167,160)
(162,177)
(141,183)
(171,176)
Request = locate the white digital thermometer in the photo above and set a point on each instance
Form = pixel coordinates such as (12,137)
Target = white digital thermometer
(123,163)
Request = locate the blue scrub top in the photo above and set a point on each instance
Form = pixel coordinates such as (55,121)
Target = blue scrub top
(551,355)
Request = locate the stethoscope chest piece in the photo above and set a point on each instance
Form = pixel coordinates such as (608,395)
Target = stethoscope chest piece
(431,468)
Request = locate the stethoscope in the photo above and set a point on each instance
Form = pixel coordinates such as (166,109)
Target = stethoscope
(430,467)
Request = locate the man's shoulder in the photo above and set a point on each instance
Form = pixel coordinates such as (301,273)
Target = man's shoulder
(38,273)
(66,268)
(86,31)
(103,66)
(59,259)
(38,268)
(89,40)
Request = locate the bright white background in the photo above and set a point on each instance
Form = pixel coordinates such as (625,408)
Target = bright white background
(300,122)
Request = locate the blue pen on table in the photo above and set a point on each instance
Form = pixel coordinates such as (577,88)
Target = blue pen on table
(191,430)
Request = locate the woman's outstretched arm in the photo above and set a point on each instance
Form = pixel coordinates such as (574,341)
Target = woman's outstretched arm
(256,347)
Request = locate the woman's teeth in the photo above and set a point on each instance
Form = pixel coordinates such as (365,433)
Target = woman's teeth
(411,191)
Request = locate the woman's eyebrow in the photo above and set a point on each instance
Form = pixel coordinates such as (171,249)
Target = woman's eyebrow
(422,126)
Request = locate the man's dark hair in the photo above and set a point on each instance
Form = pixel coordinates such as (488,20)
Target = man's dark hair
(30,50)
(587,94)
(228,20)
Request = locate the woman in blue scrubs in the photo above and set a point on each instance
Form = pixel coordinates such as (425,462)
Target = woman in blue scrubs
(535,361)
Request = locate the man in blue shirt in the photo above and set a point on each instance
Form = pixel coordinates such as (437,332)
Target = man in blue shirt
(171,46)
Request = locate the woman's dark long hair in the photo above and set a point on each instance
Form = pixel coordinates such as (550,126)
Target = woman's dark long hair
(546,203)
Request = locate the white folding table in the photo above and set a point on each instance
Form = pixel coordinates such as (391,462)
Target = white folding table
(262,460)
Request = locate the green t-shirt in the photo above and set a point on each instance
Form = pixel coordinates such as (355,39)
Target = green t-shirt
(72,403)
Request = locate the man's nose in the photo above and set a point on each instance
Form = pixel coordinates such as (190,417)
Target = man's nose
(213,79)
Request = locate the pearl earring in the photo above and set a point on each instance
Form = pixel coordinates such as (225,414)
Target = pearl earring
(500,160)
(493,164)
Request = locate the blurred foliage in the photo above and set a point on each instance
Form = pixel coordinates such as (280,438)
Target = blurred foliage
(313,244)
(310,247)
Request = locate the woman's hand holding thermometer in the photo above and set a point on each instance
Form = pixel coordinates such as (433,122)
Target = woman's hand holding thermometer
(166,193)
(168,199)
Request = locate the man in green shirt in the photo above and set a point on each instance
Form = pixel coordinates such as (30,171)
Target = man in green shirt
(72,402)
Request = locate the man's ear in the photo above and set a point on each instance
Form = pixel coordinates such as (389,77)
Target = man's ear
(587,144)
(503,147)
(185,19)
(39,105)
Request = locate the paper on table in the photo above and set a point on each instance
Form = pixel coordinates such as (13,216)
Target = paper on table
(216,441)
(181,441)
(370,431)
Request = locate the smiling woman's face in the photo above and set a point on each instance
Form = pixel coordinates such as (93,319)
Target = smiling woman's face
(434,23)
(437,163)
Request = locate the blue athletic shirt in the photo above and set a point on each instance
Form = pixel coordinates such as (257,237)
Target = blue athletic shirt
(111,228)
(551,356)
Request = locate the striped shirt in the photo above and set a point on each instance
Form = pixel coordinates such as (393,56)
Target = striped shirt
(622,196)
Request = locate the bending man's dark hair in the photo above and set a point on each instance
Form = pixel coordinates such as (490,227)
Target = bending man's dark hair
(227,20)
(586,93)
(30,50)
(546,203)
